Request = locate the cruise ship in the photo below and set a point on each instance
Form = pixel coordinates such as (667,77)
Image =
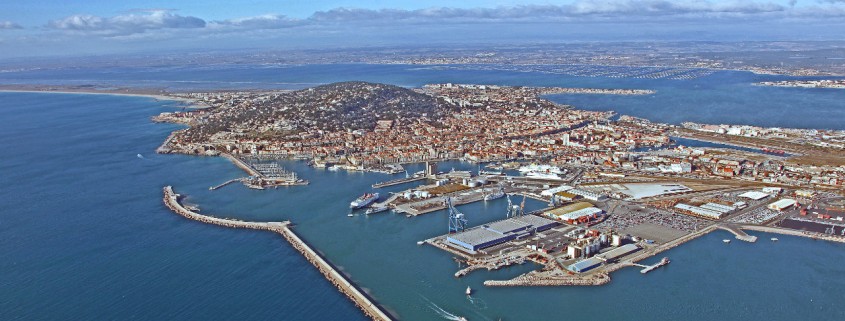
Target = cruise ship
(363,200)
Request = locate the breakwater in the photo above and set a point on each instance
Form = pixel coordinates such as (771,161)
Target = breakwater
(358,297)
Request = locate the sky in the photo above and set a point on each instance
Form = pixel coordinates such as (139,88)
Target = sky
(34,28)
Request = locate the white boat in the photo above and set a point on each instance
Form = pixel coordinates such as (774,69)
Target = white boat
(469,291)
(541,169)
(349,215)
(462,319)
(542,175)
(495,195)
(726,240)
(774,239)
(363,200)
(373,210)
(335,168)
(420,242)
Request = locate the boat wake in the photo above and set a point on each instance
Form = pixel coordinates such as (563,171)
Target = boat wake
(442,313)
(478,303)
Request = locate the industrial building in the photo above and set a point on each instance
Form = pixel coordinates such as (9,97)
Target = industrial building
(555,190)
(782,204)
(588,195)
(499,232)
(556,213)
(709,210)
(618,252)
(754,195)
(584,265)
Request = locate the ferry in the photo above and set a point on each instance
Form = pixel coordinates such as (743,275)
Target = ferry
(363,200)
(541,175)
(541,169)
(373,210)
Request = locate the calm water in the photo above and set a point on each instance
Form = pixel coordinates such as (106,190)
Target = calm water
(723,97)
(85,236)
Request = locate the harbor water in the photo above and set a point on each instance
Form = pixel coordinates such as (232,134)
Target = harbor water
(86,236)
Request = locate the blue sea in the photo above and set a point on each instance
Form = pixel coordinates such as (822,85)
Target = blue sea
(85,235)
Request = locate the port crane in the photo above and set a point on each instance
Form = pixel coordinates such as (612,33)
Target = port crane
(457,220)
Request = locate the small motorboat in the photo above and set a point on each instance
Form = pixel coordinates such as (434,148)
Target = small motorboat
(726,240)
(349,215)
(469,291)
(774,239)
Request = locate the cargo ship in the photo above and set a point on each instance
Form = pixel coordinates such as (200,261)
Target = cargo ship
(363,200)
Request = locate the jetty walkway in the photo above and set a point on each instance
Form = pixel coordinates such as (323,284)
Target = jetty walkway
(361,299)
(243,165)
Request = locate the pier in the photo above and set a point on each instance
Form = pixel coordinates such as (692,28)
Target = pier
(358,297)
(739,233)
(225,183)
(398,181)
(243,165)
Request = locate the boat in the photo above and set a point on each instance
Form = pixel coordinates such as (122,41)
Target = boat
(378,209)
(140,156)
(349,215)
(495,195)
(335,168)
(541,169)
(774,239)
(543,175)
(469,291)
(462,319)
(726,240)
(363,200)
(420,242)
(490,173)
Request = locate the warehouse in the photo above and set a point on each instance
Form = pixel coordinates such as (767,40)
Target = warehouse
(754,195)
(724,209)
(575,215)
(782,204)
(618,252)
(584,265)
(499,232)
(698,211)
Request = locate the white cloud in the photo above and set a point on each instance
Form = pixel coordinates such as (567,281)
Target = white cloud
(7,25)
(126,24)
(269,21)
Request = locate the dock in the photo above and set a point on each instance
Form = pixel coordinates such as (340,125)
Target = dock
(398,181)
(243,165)
(359,298)
(738,233)
(225,183)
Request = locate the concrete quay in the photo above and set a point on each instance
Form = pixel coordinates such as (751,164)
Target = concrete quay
(358,297)
(244,166)
(552,278)
(398,181)
(784,231)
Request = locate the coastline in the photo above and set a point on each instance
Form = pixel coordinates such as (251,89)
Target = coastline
(192,103)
